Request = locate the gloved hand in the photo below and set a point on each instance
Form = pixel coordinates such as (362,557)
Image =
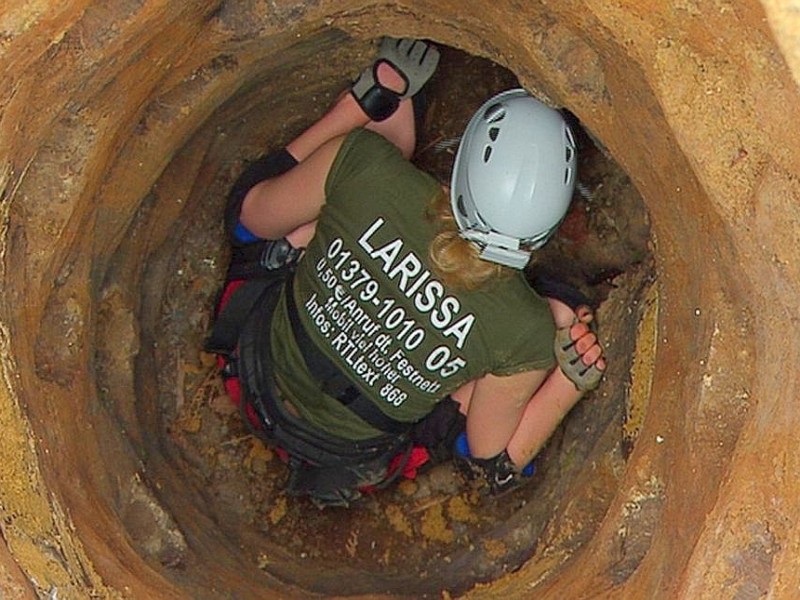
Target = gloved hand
(414,60)
(579,353)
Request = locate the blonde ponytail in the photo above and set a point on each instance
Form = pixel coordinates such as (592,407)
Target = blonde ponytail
(456,261)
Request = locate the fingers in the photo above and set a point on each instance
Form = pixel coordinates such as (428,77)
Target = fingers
(417,52)
(587,345)
(584,342)
(579,356)
(579,330)
(415,60)
(403,45)
(594,356)
(584,314)
(414,50)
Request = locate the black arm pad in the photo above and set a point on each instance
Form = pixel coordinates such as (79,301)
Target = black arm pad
(379,103)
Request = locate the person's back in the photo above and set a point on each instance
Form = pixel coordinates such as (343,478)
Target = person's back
(372,302)
(408,319)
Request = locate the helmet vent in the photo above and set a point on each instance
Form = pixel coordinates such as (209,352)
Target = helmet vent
(493,133)
(487,153)
(495,113)
(570,137)
(567,175)
(460,206)
(569,153)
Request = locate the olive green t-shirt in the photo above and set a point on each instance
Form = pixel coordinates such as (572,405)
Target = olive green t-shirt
(367,296)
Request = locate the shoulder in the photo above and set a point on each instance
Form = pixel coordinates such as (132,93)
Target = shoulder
(367,160)
(362,146)
(522,326)
(515,288)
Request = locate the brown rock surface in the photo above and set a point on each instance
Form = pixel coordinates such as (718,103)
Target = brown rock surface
(117,117)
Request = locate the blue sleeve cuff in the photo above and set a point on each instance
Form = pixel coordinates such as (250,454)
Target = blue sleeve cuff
(244,235)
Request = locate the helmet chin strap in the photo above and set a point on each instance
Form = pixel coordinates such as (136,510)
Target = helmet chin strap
(498,248)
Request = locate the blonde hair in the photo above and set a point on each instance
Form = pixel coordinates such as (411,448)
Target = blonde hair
(456,261)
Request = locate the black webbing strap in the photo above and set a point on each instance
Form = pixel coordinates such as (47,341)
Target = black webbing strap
(278,426)
(230,320)
(334,382)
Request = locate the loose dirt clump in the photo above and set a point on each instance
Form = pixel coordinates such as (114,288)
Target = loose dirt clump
(414,530)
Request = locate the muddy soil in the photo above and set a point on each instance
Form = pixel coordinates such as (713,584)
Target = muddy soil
(411,528)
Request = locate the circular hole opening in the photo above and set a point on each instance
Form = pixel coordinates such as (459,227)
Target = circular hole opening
(420,536)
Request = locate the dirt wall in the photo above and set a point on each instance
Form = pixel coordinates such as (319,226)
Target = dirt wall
(116,113)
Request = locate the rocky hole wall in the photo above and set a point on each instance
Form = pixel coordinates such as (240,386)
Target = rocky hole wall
(120,120)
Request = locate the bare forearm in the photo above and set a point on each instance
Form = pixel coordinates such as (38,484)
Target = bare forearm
(345,116)
(546,409)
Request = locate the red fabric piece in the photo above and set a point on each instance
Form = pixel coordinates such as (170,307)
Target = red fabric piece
(282,454)
(419,456)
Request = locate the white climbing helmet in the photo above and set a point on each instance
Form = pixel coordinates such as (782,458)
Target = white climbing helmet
(513,177)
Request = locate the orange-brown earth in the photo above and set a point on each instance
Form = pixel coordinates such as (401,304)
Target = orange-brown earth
(123,472)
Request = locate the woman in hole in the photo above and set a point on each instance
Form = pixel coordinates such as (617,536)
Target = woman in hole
(374,320)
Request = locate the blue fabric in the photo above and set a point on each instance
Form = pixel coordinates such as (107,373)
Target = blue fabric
(244,235)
